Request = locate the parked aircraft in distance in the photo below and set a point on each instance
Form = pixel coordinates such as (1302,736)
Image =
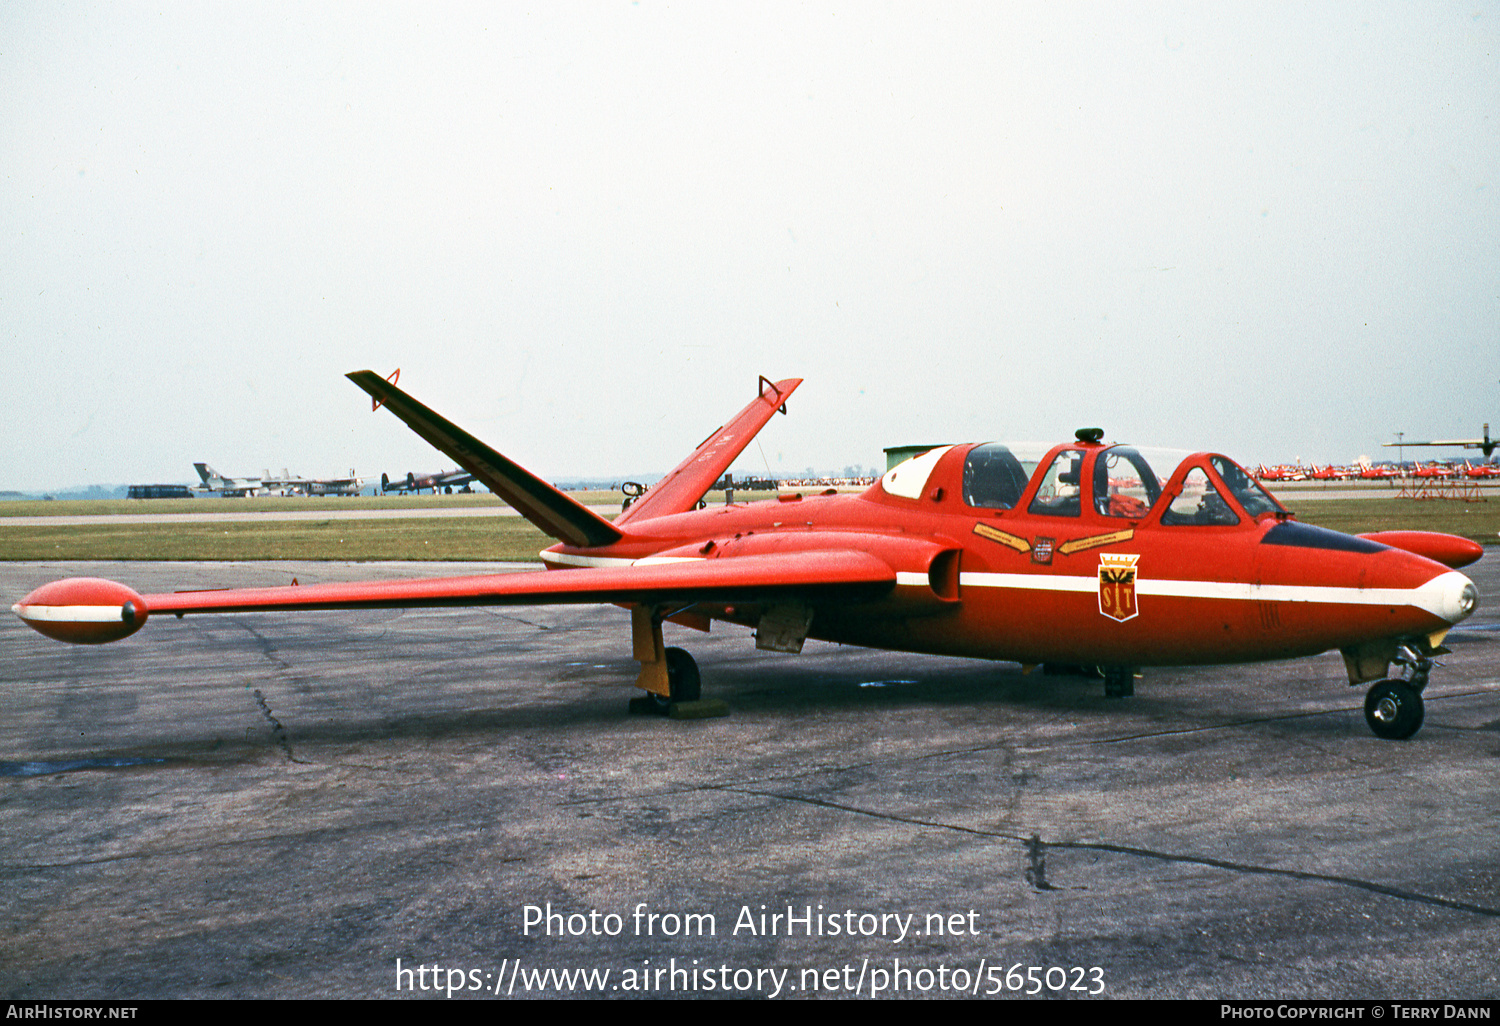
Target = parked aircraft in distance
(1086,554)
(213,481)
(1377,471)
(444,482)
(1283,472)
(266,484)
(288,485)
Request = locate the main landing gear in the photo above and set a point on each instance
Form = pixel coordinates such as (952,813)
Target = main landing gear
(669,676)
(1393,708)
(684,691)
(1119,681)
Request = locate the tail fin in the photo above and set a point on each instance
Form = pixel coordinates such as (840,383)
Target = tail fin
(549,509)
(205,471)
(680,490)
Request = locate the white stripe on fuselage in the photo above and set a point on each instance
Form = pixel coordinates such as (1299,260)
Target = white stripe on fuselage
(1428,596)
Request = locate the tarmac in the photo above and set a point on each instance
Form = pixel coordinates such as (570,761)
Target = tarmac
(438,803)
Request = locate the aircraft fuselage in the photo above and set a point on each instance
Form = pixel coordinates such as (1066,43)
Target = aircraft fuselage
(1082,587)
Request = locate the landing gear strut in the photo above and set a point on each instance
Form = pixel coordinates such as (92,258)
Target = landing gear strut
(669,676)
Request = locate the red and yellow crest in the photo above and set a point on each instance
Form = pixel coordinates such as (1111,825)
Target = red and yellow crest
(1117,586)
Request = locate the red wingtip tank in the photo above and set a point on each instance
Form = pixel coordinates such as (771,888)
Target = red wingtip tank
(83,610)
(1447,549)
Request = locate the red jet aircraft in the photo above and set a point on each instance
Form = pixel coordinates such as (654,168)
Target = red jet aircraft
(1083,555)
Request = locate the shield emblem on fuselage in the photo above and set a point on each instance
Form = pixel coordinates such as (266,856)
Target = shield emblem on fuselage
(1117,586)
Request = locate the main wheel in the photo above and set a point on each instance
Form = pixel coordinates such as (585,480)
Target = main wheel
(682,676)
(681,680)
(1119,682)
(683,685)
(1393,709)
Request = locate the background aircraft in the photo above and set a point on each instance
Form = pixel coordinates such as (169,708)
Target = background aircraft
(213,481)
(1487,445)
(1082,555)
(444,482)
(266,484)
(289,485)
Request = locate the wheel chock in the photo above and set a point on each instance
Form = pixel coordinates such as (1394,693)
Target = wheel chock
(702,709)
(642,705)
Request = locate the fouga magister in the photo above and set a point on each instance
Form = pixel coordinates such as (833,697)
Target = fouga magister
(1088,554)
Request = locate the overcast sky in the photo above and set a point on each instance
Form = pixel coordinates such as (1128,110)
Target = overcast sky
(582,230)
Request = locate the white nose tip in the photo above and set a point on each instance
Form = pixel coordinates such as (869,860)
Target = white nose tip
(1451,596)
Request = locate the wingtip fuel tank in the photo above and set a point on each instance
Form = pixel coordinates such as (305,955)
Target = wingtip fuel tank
(83,610)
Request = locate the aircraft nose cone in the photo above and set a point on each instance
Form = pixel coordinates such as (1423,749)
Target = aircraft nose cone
(1468,599)
(1451,596)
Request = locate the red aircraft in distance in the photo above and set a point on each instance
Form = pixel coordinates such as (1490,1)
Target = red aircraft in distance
(1088,554)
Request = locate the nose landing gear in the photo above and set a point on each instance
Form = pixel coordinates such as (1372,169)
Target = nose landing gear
(1393,708)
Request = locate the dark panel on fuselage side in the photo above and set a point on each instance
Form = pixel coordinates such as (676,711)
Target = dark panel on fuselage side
(1306,536)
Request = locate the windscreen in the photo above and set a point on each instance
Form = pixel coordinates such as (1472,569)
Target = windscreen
(1124,483)
(993,477)
(1246,490)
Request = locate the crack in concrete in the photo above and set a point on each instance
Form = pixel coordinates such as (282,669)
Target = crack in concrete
(1145,853)
(1036,872)
(521,620)
(278,732)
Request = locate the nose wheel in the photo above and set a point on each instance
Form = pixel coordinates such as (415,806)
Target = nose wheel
(1393,709)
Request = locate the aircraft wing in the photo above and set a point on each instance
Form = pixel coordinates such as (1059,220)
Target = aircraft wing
(680,490)
(1487,445)
(92,611)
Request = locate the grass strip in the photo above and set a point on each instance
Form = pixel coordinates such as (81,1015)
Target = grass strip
(1479,521)
(429,538)
(512,538)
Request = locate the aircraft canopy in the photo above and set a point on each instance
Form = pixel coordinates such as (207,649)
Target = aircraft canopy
(1113,481)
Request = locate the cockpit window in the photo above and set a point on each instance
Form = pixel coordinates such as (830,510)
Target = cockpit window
(993,477)
(1255,499)
(1124,484)
(1058,495)
(1199,503)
